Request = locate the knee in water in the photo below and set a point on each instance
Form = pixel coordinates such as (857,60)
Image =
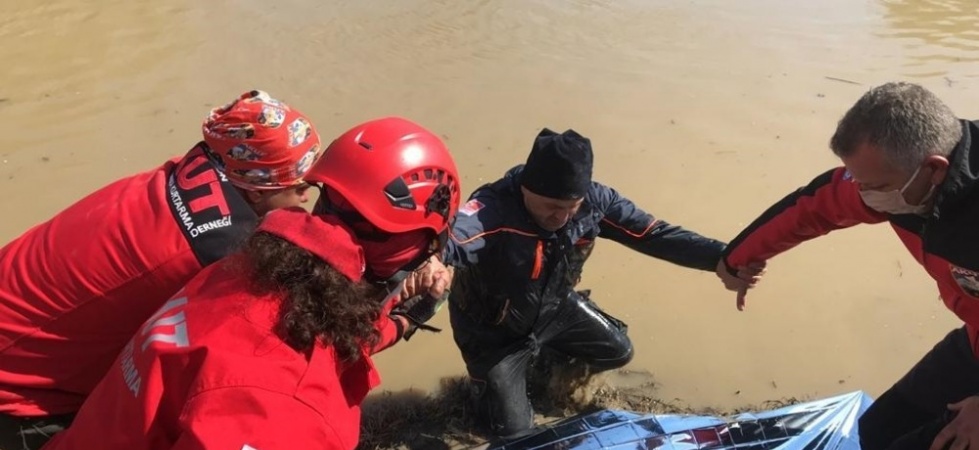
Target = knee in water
(620,359)
(626,357)
(509,424)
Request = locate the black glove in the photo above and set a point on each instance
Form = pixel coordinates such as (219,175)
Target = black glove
(418,310)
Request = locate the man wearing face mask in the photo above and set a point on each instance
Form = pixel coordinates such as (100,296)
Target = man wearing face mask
(907,160)
(519,246)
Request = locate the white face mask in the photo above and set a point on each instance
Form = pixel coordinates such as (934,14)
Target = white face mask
(893,202)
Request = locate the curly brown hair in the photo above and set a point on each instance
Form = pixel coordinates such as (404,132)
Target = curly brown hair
(319,303)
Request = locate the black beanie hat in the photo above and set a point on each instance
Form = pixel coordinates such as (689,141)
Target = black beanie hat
(559,165)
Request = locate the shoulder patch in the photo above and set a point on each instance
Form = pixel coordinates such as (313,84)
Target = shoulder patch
(471,207)
(967,279)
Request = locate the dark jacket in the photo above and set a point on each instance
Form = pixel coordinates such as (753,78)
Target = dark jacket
(510,272)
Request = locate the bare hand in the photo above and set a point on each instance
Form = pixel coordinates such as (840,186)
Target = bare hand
(963,431)
(434,278)
(747,277)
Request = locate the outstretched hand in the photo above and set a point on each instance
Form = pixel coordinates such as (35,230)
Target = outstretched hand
(963,431)
(433,278)
(423,294)
(746,278)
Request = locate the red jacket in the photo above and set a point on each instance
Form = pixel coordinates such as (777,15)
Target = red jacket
(946,242)
(208,372)
(74,289)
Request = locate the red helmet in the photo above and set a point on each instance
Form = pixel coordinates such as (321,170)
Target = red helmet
(399,176)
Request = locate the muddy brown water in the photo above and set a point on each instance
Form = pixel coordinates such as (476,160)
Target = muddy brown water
(704,112)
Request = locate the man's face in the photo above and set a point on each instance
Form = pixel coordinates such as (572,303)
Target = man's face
(873,172)
(549,213)
(267,200)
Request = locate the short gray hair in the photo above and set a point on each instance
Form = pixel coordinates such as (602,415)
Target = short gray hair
(905,120)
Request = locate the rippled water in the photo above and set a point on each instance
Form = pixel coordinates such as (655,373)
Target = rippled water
(702,111)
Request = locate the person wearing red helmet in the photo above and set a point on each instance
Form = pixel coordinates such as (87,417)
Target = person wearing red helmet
(75,288)
(270,348)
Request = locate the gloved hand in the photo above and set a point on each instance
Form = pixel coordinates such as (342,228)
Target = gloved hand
(418,310)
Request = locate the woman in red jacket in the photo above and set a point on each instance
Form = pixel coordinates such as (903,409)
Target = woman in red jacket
(270,348)
(75,288)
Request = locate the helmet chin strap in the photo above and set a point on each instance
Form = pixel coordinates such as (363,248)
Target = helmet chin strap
(393,286)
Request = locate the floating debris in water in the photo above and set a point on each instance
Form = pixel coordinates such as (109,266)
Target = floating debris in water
(844,81)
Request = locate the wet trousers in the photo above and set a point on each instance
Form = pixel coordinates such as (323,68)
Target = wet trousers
(498,362)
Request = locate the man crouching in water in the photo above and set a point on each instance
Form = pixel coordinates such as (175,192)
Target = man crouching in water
(519,246)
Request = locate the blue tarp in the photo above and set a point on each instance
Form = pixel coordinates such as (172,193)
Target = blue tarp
(829,423)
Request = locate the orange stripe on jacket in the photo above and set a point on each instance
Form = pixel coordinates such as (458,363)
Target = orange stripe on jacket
(538,260)
(635,235)
(487,233)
